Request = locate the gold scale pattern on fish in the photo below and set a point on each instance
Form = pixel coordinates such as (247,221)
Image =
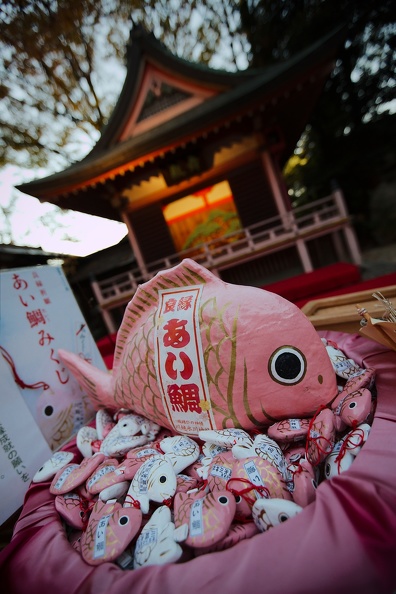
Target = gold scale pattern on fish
(245,335)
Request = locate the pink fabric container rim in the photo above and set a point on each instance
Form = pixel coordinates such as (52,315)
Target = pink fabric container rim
(343,542)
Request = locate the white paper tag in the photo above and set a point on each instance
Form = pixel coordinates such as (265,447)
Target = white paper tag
(221,471)
(196,520)
(254,477)
(102,472)
(64,475)
(144,473)
(295,424)
(147,538)
(100,537)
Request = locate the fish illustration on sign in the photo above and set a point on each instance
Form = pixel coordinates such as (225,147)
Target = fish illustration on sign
(59,409)
(194,353)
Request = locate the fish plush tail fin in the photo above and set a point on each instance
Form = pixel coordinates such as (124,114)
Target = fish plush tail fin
(95,382)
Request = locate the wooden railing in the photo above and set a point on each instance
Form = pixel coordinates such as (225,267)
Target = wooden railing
(301,223)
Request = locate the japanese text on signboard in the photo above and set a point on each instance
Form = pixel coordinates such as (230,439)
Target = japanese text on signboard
(180,364)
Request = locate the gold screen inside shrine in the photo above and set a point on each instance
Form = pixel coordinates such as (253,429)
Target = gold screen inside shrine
(203,216)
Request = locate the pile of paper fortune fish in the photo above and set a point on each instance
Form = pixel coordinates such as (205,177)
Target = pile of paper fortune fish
(140,491)
(157,483)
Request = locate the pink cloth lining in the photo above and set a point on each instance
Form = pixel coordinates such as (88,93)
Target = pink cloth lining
(344,542)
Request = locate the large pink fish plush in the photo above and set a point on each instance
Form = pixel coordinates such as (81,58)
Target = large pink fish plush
(195,353)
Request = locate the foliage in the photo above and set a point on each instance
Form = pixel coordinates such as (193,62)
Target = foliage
(351,132)
(61,66)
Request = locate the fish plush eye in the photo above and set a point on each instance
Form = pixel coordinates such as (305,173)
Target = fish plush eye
(162,479)
(287,365)
(283,517)
(123,520)
(223,500)
(48,410)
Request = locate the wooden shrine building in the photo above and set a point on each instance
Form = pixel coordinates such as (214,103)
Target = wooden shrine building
(191,161)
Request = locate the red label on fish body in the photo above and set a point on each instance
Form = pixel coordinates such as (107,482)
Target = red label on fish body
(179,361)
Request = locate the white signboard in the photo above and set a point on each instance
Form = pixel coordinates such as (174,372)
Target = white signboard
(41,404)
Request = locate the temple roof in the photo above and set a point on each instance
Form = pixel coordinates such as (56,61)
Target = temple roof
(167,102)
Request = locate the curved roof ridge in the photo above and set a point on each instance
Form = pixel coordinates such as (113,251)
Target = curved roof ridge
(144,48)
(214,112)
(157,50)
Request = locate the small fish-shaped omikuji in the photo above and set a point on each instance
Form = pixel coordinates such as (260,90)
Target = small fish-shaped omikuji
(116,444)
(268,513)
(345,450)
(289,430)
(74,509)
(110,529)
(181,451)
(158,542)
(103,476)
(209,451)
(294,452)
(86,437)
(338,460)
(135,458)
(343,367)
(154,481)
(209,517)
(104,423)
(266,448)
(116,491)
(356,438)
(321,437)
(365,379)
(49,469)
(218,477)
(220,471)
(132,424)
(185,483)
(303,482)
(73,475)
(254,477)
(227,437)
(189,358)
(352,407)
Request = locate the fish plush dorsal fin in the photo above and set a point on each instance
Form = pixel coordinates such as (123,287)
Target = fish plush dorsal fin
(96,383)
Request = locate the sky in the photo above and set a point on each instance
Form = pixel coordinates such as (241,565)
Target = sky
(91,233)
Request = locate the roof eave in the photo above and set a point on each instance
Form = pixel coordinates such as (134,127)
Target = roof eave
(215,111)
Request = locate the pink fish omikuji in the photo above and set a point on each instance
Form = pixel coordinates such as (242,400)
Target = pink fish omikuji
(195,353)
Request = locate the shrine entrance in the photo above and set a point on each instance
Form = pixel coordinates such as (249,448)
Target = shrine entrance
(205,215)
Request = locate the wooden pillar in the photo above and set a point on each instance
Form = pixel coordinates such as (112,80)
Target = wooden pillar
(286,214)
(107,317)
(272,176)
(135,247)
(304,255)
(348,231)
